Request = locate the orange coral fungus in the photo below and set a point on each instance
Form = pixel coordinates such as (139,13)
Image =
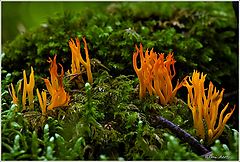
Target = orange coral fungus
(55,88)
(77,59)
(155,74)
(205,108)
(42,101)
(13,94)
(28,90)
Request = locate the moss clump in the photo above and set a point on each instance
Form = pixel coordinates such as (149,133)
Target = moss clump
(106,120)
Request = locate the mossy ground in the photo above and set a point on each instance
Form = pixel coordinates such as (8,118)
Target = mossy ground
(106,120)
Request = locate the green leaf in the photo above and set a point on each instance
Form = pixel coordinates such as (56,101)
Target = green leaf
(16,145)
(78,149)
(35,146)
(16,125)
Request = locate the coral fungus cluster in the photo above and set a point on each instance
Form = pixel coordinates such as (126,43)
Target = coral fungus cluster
(77,59)
(155,74)
(55,87)
(27,91)
(205,107)
(58,95)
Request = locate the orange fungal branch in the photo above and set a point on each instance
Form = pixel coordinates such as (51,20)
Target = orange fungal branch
(77,59)
(58,95)
(205,108)
(155,74)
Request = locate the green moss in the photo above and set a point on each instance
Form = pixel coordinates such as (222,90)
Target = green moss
(106,120)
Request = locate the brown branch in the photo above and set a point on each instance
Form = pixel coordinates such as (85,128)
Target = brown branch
(181,134)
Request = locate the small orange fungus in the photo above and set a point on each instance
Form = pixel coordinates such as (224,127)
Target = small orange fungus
(28,90)
(155,74)
(58,95)
(77,59)
(205,108)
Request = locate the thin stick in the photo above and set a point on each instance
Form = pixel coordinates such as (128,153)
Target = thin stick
(180,133)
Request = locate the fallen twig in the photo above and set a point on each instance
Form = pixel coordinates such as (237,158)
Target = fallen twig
(180,133)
